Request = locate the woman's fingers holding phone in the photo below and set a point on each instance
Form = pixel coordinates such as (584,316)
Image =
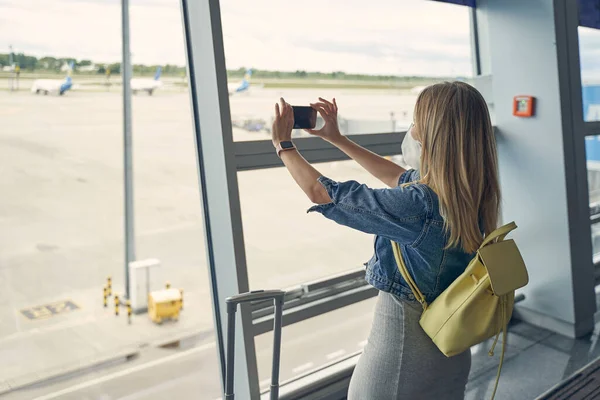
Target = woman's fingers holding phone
(283,123)
(328,112)
(320,107)
(287,112)
(277,112)
(315,132)
(321,110)
(331,107)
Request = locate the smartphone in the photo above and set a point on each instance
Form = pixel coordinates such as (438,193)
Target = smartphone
(305,117)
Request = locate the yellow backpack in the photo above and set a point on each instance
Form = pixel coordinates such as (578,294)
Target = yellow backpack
(479,303)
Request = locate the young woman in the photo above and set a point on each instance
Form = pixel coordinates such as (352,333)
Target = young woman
(438,212)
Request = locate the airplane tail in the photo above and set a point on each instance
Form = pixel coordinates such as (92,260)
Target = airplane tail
(247,76)
(157,74)
(68,78)
(68,83)
(245,82)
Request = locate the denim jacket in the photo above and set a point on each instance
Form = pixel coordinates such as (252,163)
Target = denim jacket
(408,215)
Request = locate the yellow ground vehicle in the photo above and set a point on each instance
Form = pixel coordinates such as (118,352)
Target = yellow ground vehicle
(163,304)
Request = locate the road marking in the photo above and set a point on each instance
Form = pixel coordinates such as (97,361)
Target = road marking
(49,310)
(126,372)
(335,354)
(362,344)
(302,367)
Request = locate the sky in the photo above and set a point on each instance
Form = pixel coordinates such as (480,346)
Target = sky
(399,37)
(589,54)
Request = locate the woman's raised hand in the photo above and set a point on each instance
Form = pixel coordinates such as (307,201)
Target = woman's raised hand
(328,111)
(283,123)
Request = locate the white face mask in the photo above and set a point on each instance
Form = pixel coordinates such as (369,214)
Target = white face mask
(411,150)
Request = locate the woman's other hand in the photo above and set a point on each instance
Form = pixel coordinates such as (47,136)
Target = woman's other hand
(328,111)
(283,124)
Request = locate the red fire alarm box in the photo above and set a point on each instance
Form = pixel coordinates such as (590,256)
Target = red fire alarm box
(524,106)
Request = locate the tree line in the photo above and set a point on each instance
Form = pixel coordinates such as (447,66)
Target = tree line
(48,63)
(31,63)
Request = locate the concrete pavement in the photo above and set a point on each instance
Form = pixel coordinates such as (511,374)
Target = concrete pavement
(61,212)
(191,372)
(90,337)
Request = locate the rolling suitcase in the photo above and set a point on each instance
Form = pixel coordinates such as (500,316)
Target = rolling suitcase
(232,303)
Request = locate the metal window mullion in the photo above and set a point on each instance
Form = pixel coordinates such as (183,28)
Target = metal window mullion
(591,128)
(474,33)
(566,16)
(260,154)
(218,181)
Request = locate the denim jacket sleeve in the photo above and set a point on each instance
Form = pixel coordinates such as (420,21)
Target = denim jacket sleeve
(397,214)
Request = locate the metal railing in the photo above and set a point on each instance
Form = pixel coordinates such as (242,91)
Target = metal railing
(314,298)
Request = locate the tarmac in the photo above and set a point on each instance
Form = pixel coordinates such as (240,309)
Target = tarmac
(61,213)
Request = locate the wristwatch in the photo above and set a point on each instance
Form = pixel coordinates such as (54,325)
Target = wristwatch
(283,146)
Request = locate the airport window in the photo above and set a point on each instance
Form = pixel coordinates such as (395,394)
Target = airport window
(374,67)
(315,343)
(286,246)
(62,212)
(62,207)
(589,52)
(62,157)
(592,147)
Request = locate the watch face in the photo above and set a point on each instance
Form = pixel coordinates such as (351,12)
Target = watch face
(286,145)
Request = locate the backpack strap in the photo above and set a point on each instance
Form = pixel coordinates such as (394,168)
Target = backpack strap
(503,315)
(499,233)
(406,275)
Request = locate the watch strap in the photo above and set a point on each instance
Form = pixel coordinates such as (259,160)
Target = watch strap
(279,149)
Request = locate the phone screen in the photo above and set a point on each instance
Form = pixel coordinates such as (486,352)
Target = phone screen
(304,117)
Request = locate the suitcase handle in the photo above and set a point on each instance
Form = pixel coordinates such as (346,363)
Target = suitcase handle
(232,303)
(254,295)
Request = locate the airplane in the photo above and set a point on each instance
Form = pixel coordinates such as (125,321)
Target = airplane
(146,84)
(53,85)
(240,87)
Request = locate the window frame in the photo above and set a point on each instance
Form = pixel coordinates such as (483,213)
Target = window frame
(219,159)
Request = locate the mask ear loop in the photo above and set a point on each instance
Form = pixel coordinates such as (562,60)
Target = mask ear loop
(410,127)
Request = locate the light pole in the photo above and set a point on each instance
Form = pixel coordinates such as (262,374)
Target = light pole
(127,146)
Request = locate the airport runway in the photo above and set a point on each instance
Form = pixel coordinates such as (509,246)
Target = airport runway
(61,214)
(191,373)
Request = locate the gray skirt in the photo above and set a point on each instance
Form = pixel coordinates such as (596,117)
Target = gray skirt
(400,361)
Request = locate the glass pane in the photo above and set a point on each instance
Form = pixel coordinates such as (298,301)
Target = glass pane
(286,246)
(315,342)
(592,147)
(596,238)
(61,210)
(589,52)
(374,76)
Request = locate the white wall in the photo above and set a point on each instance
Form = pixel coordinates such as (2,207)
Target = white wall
(520,47)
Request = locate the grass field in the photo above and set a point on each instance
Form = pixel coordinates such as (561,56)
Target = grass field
(27,78)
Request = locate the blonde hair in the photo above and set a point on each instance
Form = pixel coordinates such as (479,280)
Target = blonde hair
(459,160)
